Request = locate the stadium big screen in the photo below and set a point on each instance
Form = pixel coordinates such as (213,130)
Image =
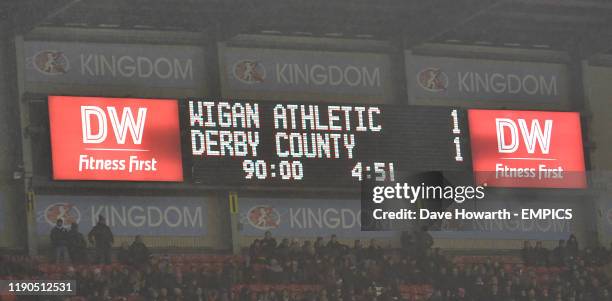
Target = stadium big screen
(319,145)
(308,145)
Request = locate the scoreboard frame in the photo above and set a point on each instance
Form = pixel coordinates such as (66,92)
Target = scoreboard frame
(409,128)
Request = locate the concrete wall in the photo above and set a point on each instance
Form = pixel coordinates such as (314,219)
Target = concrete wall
(12,201)
(598,90)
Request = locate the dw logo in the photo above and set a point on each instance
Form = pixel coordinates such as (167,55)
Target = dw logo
(531,136)
(120,126)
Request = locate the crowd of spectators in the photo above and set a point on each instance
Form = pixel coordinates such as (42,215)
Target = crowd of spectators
(69,246)
(563,254)
(364,271)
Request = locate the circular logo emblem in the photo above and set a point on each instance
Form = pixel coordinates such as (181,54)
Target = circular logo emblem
(69,213)
(249,72)
(263,217)
(433,79)
(50,62)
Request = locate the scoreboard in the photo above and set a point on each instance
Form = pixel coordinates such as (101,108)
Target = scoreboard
(319,145)
(219,142)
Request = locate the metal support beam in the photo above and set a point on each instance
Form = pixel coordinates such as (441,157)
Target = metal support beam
(443,18)
(567,3)
(38,12)
(234,221)
(56,12)
(26,149)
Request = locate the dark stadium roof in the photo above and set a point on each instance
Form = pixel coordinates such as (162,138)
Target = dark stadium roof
(583,27)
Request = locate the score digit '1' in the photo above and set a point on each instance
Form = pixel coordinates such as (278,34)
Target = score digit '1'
(457,139)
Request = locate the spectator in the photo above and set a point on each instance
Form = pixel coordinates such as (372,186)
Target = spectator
(572,246)
(460,294)
(275,272)
(256,252)
(319,245)
(407,242)
(102,239)
(438,258)
(358,252)
(295,250)
(540,255)
(59,242)
(123,254)
(308,250)
(282,250)
(423,241)
(374,251)
(268,244)
(77,246)
(178,294)
(334,247)
(138,252)
(559,254)
(163,294)
(528,254)
(589,257)
(199,295)
(600,254)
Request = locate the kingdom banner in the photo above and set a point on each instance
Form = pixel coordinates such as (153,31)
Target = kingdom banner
(485,80)
(106,64)
(303,218)
(126,216)
(305,75)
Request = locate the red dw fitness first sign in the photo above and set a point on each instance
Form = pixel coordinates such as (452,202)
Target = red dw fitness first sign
(119,139)
(527,148)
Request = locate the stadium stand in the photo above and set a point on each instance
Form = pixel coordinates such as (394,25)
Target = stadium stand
(290,271)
